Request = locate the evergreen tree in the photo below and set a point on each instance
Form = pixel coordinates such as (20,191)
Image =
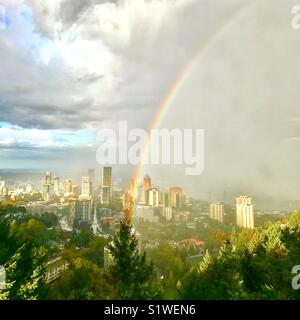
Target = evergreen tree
(132,273)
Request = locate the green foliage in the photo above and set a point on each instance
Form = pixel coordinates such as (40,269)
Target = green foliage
(256,265)
(22,254)
(132,273)
(83,281)
(50,220)
(82,238)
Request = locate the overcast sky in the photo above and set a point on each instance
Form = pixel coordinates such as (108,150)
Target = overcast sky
(71,67)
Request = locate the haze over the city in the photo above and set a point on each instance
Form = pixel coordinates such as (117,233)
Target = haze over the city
(72,67)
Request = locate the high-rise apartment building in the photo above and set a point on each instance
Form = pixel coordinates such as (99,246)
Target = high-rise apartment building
(176,197)
(153,197)
(244,212)
(216,211)
(144,190)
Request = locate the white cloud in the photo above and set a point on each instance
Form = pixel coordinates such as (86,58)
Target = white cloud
(89,63)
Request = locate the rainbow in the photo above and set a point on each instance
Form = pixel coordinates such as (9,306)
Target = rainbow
(182,78)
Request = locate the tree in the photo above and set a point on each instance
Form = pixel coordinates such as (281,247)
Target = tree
(132,273)
(25,272)
(22,254)
(83,281)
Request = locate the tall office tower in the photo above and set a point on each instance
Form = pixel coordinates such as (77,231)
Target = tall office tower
(85,187)
(244,212)
(176,197)
(48,178)
(147,182)
(48,187)
(107,179)
(47,192)
(153,197)
(68,186)
(216,211)
(56,186)
(91,174)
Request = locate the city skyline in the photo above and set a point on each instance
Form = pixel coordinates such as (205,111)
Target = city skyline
(44,121)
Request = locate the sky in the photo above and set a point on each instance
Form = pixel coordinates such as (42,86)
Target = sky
(72,67)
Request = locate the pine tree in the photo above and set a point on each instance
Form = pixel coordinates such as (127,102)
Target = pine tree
(131,270)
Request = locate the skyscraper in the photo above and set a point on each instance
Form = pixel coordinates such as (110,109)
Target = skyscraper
(48,187)
(147,182)
(107,178)
(91,175)
(48,178)
(216,211)
(177,197)
(85,187)
(244,212)
(56,186)
(153,197)
(68,186)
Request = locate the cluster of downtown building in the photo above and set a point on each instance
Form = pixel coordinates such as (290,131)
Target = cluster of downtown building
(150,202)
